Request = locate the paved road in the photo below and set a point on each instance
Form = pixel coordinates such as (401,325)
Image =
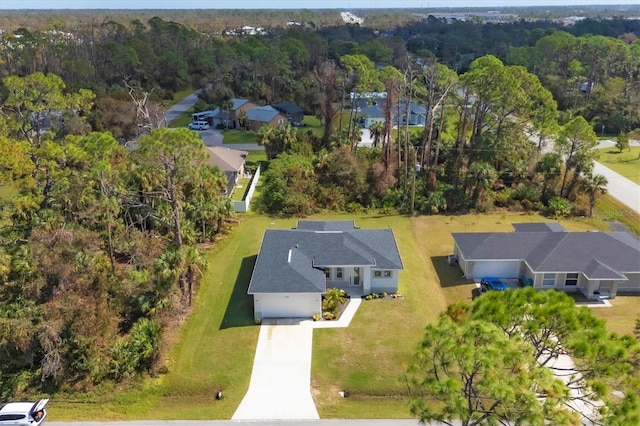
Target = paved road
(181,107)
(620,188)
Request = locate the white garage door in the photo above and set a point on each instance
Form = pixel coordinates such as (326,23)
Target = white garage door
(290,305)
(506,269)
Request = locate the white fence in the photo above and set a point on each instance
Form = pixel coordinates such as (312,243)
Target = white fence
(243,206)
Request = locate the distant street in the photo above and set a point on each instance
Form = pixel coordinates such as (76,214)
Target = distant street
(620,188)
(180,107)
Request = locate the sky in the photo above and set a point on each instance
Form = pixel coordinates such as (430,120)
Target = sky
(291,4)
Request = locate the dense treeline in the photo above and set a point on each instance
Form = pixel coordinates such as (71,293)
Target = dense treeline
(98,244)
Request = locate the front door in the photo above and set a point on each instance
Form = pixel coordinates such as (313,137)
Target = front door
(355,279)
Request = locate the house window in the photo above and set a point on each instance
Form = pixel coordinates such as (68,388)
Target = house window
(387,274)
(572,279)
(338,273)
(377,274)
(548,280)
(327,273)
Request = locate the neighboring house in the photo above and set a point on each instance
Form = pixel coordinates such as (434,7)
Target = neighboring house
(295,267)
(227,118)
(371,114)
(375,112)
(594,263)
(230,161)
(293,112)
(261,116)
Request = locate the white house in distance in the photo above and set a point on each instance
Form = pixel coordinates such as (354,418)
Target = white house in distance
(295,267)
(594,263)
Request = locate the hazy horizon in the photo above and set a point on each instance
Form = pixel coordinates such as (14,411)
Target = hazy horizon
(299,4)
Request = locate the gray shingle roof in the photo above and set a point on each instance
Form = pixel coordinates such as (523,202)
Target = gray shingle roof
(263,114)
(556,251)
(323,225)
(538,227)
(292,260)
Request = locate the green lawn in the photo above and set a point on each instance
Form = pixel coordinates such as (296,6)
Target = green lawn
(215,346)
(625,163)
(239,136)
(182,120)
(610,209)
(369,358)
(240,189)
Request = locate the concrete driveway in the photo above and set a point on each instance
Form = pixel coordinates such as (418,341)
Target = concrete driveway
(280,387)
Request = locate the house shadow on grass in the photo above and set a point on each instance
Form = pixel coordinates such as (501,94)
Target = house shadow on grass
(239,311)
(449,275)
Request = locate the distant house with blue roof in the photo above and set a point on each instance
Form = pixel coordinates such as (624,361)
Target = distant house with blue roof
(231,119)
(263,115)
(223,117)
(417,113)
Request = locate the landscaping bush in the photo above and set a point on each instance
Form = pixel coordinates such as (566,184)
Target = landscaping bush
(559,207)
(525,192)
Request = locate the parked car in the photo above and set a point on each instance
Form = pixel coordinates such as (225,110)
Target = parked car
(23,413)
(492,283)
(198,125)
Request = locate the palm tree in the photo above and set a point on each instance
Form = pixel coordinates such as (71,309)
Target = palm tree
(550,167)
(594,185)
(265,137)
(332,298)
(243,120)
(194,263)
(376,130)
(481,176)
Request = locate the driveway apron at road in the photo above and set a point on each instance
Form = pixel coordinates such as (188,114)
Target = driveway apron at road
(280,386)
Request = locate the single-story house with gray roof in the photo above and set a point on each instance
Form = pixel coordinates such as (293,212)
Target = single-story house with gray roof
(594,263)
(295,267)
(229,161)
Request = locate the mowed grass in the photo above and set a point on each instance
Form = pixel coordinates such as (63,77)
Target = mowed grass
(214,348)
(626,163)
(239,136)
(621,317)
(610,209)
(370,357)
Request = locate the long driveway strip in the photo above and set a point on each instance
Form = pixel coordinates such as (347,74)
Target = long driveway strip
(280,386)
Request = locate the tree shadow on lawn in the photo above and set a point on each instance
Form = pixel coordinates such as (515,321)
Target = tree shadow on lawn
(449,275)
(239,311)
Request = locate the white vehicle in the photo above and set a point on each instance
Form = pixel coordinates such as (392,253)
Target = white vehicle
(198,125)
(23,413)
